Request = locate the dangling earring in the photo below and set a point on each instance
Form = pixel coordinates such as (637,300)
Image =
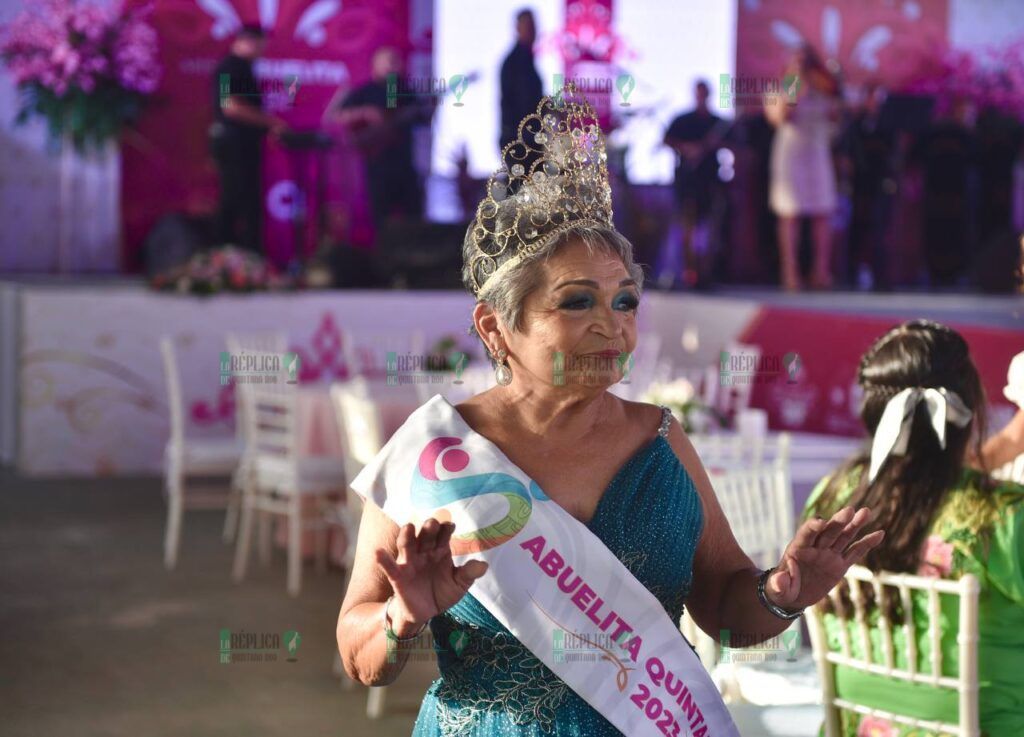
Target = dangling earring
(502,372)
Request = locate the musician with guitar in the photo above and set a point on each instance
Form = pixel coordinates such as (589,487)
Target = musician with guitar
(694,136)
(380,123)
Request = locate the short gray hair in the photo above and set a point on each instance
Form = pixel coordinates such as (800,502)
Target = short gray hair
(507,293)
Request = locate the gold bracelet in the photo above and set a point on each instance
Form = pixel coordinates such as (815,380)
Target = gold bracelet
(390,633)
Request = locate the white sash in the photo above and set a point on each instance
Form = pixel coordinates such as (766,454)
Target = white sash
(648,681)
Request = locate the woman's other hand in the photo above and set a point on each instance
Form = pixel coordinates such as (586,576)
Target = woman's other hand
(818,557)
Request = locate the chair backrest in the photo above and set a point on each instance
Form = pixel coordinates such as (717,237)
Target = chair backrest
(360,423)
(272,342)
(175,400)
(1011,471)
(720,451)
(270,416)
(758,503)
(905,586)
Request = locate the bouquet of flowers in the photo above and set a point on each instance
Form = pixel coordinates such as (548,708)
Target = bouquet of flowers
(681,397)
(225,269)
(85,67)
(990,77)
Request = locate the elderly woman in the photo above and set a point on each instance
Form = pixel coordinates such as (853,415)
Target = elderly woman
(606,489)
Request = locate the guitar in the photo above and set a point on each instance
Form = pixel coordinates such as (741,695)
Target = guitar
(692,153)
(374,129)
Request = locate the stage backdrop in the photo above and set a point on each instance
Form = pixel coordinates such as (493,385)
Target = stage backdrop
(321,45)
(893,41)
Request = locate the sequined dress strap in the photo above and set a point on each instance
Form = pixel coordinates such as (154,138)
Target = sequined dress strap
(666,418)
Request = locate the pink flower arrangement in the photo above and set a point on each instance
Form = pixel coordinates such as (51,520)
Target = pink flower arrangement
(990,78)
(876,727)
(83,66)
(225,269)
(936,558)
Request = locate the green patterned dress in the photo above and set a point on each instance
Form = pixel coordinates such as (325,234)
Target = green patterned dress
(975,531)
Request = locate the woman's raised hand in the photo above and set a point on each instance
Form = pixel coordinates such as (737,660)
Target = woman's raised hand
(818,557)
(424,577)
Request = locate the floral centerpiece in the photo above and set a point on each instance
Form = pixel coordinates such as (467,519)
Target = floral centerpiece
(84,67)
(681,397)
(224,269)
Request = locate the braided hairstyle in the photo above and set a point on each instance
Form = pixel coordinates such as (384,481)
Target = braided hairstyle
(906,494)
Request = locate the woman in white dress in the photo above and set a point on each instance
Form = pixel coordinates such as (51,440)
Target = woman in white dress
(803,179)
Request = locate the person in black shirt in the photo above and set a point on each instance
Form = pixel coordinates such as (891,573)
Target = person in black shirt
(521,88)
(871,152)
(693,137)
(237,139)
(383,133)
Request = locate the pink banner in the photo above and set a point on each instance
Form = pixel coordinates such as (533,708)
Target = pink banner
(894,42)
(818,392)
(324,44)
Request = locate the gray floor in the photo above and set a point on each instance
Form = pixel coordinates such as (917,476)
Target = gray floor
(98,639)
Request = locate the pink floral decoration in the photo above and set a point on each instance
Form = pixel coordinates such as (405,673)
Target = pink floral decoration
(936,558)
(990,78)
(876,727)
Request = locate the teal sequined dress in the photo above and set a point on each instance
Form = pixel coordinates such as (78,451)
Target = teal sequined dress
(651,518)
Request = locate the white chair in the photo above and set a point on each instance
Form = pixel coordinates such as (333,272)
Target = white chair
(909,587)
(758,503)
(273,342)
(185,458)
(743,449)
(1011,471)
(363,437)
(278,480)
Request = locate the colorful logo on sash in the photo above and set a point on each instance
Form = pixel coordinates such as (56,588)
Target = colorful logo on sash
(430,493)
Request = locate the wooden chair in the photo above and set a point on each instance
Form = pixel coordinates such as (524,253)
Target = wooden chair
(965,684)
(757,501)
(278,480)
(273,342)
(184,458)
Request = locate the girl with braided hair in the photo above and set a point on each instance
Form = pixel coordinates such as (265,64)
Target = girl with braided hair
(924,407)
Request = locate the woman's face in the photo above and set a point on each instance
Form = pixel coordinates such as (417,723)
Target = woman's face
(585,309)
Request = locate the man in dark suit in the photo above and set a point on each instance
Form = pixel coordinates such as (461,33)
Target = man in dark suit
(521,88)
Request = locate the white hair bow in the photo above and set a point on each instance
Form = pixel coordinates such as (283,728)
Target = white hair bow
(893,430)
